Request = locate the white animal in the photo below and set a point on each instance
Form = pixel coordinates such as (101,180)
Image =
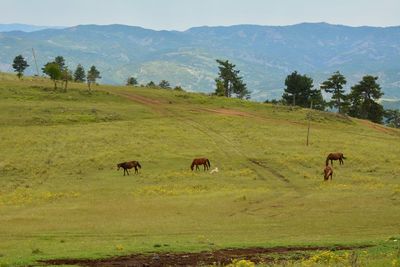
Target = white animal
(214,170)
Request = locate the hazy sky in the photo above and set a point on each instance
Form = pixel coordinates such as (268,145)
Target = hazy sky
(183,14)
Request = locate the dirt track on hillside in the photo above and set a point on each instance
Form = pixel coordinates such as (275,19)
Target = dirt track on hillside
(379,128)
(217,257)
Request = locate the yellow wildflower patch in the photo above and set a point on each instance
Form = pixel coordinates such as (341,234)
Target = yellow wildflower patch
(241,263)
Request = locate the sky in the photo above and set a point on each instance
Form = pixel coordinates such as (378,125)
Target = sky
(183,14)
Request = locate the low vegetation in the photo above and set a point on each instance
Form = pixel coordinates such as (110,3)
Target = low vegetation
(62,197)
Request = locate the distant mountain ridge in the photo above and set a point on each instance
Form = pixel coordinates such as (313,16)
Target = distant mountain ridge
(25,27)
(264,54)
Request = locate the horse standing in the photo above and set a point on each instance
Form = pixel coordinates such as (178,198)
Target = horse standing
(129,165)
(201,161)
(328,172)
(335,156)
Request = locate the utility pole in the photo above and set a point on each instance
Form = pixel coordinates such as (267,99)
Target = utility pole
(34,57)
(309,122)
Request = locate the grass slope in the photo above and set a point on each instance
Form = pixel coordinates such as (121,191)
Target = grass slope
(61,196)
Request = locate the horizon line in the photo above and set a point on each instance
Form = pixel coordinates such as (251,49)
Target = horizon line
(198,26)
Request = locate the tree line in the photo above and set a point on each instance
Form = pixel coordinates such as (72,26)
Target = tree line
(163,84)
(361,102)
(58,71)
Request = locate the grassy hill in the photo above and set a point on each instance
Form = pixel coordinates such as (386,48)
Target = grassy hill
(62,197)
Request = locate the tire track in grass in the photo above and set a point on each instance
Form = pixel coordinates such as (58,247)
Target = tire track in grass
(228,149)
(213,135)
(254,162)
(271,170)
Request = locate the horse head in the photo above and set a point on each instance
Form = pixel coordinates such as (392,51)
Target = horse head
(192,166)
(328,171)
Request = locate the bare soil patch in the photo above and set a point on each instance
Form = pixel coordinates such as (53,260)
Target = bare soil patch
(379,128)
(141,99)
(219,257)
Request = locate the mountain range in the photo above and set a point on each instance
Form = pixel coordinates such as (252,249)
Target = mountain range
(265,55)
(25,27)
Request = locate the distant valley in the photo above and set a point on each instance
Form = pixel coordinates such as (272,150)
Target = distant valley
(265,55)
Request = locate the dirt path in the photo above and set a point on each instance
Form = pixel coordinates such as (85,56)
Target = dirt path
(154,104)
(379,128)
(218,257)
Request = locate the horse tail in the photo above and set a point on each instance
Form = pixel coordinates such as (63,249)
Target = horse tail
(138,164)
(343,157)
(208,162)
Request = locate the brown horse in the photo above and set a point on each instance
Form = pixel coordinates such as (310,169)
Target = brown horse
(129,165)
(328,172)
(334,156)
(201,161)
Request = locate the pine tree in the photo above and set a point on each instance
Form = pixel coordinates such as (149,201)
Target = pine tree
(299,92)
(363,99)
(151,84)
(229,82)
(60,61)
(335,85)
(19,65)
(131,81)
(164,84)
(79,74)
(92,75)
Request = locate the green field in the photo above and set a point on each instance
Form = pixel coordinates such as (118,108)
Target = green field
(62,197)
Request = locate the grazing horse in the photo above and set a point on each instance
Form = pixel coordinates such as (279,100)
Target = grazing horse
(201,161)
(328,172)
(335,156)
(129,165)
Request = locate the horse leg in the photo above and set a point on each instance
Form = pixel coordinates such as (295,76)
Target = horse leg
(136,170)
(197,168)
(124,171)
(127,172)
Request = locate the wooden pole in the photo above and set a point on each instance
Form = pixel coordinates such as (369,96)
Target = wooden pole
(309,122)
(34,57)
